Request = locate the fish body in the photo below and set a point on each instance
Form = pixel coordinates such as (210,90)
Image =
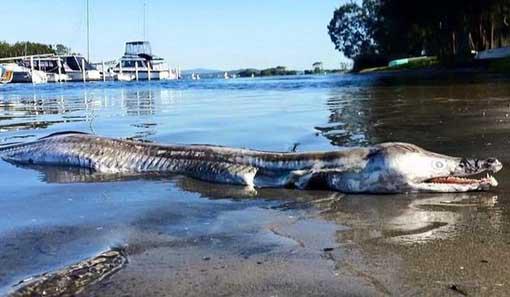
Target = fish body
(384,168)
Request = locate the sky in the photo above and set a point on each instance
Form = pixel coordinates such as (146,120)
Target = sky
(220,34)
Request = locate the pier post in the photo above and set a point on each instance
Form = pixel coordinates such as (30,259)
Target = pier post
(149,70)
(32,68)
(83,70)
(104,71)
(59,66)
(136,70)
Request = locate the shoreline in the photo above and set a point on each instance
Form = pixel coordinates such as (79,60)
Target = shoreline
(288,252)
(410,248)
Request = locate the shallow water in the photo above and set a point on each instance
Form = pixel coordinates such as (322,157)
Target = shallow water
(50,218)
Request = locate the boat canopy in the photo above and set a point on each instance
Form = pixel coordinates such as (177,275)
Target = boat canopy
(136,48)
(75,62)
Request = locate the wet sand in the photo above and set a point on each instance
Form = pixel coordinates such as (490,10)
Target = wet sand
(442,245)
(312,243)
(252,251)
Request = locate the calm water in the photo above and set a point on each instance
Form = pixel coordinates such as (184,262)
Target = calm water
(47,221)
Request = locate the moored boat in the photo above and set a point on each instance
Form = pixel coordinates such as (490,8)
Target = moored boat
(21,74)
(495,53)
(77,67)
(5,75)
(138,63)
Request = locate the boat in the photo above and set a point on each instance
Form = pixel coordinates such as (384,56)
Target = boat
(21,74)
(5,75)
(138,63)
(76,67)
(51,65)
(105,69)
(50,68)
(495,53)
(195,76)
(404,61)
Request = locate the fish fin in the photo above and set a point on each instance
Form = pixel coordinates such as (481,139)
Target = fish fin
(226,173)
(312,179)
(300,178)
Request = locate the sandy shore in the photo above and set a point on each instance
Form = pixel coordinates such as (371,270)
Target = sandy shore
(313,244)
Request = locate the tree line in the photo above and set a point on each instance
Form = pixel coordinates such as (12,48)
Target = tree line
(26,48)
(376,31)
(278,70)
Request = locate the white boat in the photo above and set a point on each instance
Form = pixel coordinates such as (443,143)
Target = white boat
(138,63)
(51,65)
(5,75)
(21,74)
(105,69)
(51,68)
(195,76)
(75,66)
(495,53)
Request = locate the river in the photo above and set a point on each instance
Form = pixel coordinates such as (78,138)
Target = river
(187,237)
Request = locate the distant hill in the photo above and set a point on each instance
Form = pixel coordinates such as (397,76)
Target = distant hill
(202,71)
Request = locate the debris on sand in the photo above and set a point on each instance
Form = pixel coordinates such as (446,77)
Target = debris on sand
(74,278)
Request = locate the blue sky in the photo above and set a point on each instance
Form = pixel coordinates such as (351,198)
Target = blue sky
(220,34)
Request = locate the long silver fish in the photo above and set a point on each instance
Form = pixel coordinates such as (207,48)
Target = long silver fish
(383,168)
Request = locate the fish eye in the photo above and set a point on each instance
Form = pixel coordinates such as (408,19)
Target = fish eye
(438,164)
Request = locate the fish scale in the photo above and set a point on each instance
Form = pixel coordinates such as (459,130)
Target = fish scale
(383,168)
(212,163)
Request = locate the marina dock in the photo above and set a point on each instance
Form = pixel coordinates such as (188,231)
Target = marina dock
(137,63)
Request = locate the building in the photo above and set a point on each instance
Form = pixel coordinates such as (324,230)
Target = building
(317,67)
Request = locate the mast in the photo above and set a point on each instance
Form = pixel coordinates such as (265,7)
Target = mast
(88,32)
(144,20)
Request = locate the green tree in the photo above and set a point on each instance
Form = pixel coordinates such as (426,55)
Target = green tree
(392,29)
(24,48)
(351,29)
(61,49)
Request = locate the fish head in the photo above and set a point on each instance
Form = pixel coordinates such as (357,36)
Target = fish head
(402,167)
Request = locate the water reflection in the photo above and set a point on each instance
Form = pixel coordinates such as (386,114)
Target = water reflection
(397,218)
(138,102)
(69,175)
(425,115)
(412,218)
(42,110)
(349,122)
